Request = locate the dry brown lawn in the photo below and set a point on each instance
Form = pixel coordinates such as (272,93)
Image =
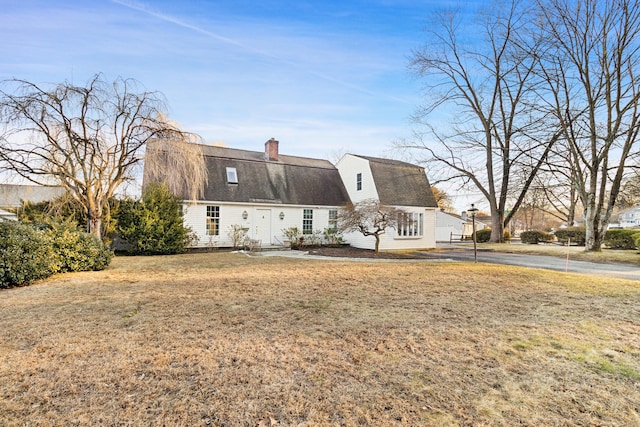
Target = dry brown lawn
(228,340)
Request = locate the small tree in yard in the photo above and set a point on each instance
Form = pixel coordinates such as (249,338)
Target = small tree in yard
(369,217)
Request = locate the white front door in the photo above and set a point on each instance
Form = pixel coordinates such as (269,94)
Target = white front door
(263,226)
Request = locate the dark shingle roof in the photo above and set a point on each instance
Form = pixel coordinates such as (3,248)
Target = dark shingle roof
(289,180)
(400,183)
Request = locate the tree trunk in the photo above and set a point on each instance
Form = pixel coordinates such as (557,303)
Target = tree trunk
(377,242)
(497,230)
(593,236)
(94,223)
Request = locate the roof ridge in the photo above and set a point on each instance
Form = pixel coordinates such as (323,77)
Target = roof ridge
(283,159)
(385,160)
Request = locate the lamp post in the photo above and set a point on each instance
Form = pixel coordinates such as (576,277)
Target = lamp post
(473,212)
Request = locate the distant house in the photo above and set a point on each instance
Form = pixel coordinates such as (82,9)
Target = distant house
(629,218)
(450,226)
(393,183)
(13,196)
(453,227)
(265,193)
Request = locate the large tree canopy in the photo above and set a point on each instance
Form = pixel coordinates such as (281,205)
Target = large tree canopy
(495,138)
(88,139)
(592,67)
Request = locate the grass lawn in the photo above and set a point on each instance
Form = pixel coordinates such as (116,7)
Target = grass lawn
(228,340)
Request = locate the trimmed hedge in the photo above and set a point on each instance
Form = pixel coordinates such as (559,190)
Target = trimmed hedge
(636,239)
(534,237)
(483,236)
(621,239)
(576,234)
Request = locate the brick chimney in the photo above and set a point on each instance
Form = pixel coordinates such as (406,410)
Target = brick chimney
(271,150)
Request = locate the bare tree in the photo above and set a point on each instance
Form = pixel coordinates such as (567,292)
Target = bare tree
(369,217)
(592,67)
(88,139)
(489,82)
(558,180)
(177,161)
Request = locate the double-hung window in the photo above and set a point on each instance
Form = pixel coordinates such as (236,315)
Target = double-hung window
(358,181)
(213,220)
(307,221)
(333,219)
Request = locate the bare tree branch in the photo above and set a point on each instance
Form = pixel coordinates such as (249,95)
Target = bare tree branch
(87,139)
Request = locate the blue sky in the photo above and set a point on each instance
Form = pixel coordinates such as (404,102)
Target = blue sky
(323,77)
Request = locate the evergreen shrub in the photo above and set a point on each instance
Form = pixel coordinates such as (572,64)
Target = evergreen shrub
(153,225)
(483,236)
(576,235)
(534,237)
(74,249)
(26,254)
(621,239)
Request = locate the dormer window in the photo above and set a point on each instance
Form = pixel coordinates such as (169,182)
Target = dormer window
(232,176)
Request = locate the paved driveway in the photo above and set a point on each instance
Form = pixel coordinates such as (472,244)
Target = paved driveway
(459,253)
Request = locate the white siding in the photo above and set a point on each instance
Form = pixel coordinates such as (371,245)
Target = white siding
(349,167)
(391,241)
(447,224)
(195,216)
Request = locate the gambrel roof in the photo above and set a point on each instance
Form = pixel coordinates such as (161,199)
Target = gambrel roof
(287,180)
(400,183)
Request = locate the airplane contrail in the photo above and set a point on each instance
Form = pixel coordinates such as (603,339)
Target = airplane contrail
(167,18)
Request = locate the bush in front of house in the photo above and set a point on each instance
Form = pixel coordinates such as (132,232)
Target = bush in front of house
(621,239)
(483,236)
(153,225)
(533,237)
(575,235)
(332,237)
(26,254)
(294,236)
(75,250)
(237,234)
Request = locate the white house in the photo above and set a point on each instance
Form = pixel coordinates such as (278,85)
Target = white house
(263,193)
(393,183)
(629,218)
(450,226)
(266,193)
